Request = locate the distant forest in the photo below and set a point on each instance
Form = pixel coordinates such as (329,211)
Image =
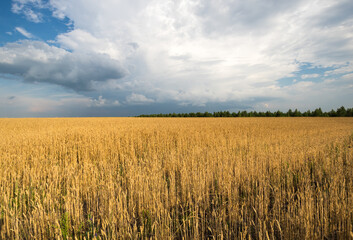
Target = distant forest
(340,112)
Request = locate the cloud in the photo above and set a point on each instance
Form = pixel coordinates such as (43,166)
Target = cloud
(336,13)
(346,68)
(98,102)
(138,99)
(33,16)
(24,32)
(348,76)
(187,45)
(189,52)
(26,7)
(38,62)
(229,17)
(102,102)
(306,76)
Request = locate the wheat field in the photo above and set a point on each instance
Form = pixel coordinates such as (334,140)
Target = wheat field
(184,178)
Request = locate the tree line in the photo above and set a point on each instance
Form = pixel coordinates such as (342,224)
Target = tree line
(340,112)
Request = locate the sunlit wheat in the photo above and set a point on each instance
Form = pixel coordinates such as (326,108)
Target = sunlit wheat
(239,178)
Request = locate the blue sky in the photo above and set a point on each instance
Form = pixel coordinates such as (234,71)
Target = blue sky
(62,58)
(44,29)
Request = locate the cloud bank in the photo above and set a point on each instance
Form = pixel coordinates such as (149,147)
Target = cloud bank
(191,52)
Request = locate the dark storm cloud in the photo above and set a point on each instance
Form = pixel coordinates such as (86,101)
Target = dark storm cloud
(39,62)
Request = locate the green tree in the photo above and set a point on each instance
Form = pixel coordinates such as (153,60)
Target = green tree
(341,112)
(297,113)
(317,112)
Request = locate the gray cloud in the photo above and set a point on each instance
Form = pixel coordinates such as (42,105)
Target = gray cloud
(339,12)
(38,62)
(241,16)
(134,45)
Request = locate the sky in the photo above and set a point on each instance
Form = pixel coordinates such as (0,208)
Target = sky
(86,58)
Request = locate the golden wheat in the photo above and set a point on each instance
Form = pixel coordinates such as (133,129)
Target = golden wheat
(230,178)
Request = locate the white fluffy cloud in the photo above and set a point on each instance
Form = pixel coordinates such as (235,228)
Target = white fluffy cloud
(187,51)
(203,48)
(29,9)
